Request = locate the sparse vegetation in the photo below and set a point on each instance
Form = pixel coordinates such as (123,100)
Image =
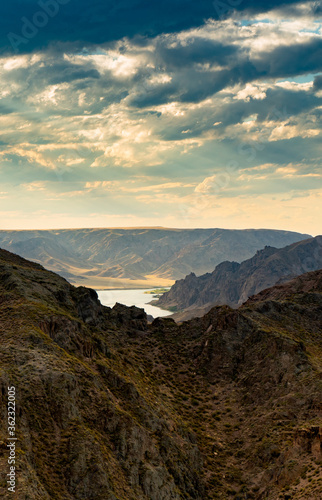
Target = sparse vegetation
(157,292)
(107,400)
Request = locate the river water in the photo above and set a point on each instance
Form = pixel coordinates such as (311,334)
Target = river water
(131,298)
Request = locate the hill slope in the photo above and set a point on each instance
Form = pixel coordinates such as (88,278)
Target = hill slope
(108,407)
(138,257)
(232,283)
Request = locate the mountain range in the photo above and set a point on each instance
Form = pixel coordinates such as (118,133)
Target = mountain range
(111,407)
(233,283)
(138,257)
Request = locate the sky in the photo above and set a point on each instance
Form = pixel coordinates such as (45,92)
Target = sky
(173,113)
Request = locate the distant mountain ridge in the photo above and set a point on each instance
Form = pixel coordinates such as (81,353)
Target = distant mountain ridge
(138,257)
(233,283)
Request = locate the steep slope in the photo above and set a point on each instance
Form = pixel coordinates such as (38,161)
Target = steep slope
(232,283)
(306,283)
(142,257)
(84,429)
(226,406)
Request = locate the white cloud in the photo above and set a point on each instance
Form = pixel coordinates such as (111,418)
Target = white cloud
(290,131)
(251,91)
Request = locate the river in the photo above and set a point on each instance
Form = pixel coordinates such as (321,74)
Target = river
(131,298)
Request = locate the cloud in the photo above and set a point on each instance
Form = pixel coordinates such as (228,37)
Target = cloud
(134,187)
(39,24)
(318,82)
(34,186)
(207,185)
(191,110)
(265,179)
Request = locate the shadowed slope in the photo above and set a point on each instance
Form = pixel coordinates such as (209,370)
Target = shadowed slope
(108,407)
(232,283)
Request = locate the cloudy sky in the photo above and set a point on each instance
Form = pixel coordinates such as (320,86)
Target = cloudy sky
(172,113)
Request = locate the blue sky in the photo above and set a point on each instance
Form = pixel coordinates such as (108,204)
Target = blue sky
(181,114)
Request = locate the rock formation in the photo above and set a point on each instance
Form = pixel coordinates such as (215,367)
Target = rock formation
(227,406)
(232,283)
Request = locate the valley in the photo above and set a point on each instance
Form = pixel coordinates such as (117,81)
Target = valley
(115,258)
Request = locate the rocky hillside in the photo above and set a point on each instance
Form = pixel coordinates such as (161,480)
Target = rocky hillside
(232,283)
(138,257)
(228,406)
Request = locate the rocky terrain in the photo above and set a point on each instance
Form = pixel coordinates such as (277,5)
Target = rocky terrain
(138,257)
(232,283)
(227,406)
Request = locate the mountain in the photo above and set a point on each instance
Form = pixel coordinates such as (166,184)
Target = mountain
(138,257)
(108,406)
(232,283)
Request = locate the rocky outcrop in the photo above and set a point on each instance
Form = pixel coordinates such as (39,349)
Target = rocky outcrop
(232,283)
(310,440)
(306,283)
(112,407)
(86,430)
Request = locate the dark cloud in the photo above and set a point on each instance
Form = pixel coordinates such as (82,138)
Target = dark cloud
(101,90)
(293,10)
(317,82)
(6,109)
(197,51)
(53,72)
(192,84)
(291,60)
(73,73)
(27,25)
(280,105)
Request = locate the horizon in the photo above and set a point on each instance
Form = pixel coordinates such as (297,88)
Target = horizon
(155,227)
